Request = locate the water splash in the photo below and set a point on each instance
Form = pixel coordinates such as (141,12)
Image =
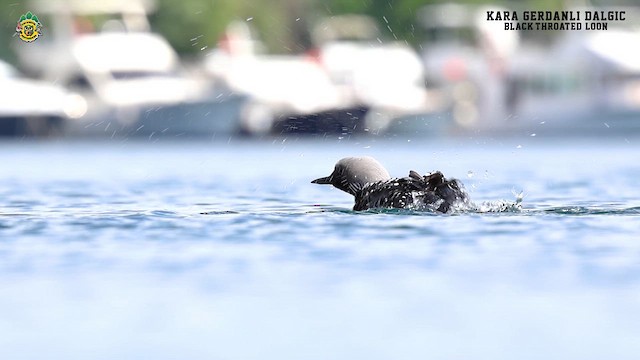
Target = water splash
(498,206)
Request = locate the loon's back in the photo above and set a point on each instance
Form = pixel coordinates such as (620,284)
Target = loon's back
(415,191)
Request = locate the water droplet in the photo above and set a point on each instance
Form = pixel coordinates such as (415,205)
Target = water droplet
(469,174)
(534,134)
(519,147)
(607,125)
(250,18)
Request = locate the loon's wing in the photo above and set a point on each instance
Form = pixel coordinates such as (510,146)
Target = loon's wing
(434,179)
(394,193)
(432,189)
(447,191)
(430,181)
(414,175)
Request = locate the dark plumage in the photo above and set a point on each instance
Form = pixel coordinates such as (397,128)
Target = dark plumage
(373,187)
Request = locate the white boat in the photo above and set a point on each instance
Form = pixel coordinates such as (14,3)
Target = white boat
(131,79)
(352,82)
(587,82)
(485,79)
(32,108)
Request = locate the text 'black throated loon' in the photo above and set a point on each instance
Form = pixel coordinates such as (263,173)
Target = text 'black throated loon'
(370,183)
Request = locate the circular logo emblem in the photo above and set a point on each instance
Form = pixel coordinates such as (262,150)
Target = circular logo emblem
(29,27)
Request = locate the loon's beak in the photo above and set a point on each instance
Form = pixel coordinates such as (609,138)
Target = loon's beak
(322,180)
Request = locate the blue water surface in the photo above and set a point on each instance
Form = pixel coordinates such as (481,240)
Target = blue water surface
(224,250)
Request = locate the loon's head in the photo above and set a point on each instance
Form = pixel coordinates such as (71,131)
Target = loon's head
(351,174)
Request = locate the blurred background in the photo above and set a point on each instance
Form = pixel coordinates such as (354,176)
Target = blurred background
(386,68)
(121,240)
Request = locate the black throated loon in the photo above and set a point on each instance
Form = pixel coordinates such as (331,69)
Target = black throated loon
(370,183)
